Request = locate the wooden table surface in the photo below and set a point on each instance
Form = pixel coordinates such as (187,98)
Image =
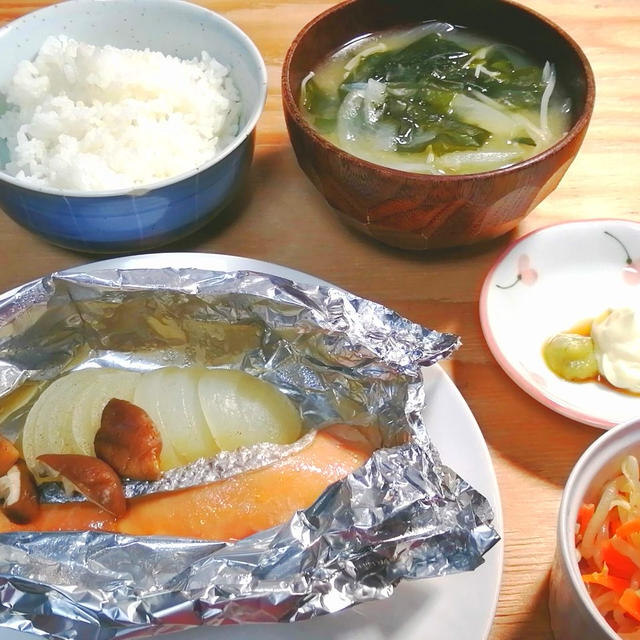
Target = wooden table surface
(283,219)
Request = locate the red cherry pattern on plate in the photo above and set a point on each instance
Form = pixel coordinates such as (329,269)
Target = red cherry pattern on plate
(631,272)
(526,274)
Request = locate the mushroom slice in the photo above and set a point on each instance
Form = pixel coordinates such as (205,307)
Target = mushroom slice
(18,490)
(87,414)
(9,455)
(128,441)
(91,477)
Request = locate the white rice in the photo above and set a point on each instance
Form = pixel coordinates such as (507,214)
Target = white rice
(93,118)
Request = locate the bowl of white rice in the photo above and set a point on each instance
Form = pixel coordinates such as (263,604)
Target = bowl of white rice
(124,124)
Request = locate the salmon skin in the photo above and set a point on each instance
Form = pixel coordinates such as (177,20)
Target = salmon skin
(229,509)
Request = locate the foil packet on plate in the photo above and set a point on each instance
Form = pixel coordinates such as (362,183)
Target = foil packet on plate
(403,515)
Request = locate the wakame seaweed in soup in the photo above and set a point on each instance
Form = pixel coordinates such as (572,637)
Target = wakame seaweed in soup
(436,99)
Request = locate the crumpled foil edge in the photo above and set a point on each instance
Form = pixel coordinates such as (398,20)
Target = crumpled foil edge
(403,515)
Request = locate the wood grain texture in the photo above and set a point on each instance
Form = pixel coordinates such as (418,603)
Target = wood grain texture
(283,219)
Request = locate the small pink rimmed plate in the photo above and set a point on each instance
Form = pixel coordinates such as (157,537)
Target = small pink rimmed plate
(549,281)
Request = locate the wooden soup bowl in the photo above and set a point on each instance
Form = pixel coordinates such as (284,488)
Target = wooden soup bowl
(418,211)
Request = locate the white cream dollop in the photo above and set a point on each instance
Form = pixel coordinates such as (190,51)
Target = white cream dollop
(616,337)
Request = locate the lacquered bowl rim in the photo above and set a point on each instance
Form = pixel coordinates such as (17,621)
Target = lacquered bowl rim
(292,110)
(255,110)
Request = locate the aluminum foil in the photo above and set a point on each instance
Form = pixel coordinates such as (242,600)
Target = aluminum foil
(403,515)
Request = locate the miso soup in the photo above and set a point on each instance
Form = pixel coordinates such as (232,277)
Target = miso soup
(436,99)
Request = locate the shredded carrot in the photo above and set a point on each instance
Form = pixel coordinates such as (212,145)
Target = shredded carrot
(626,529)
(609,582)
(611,575)
(630,602)
(584,515)
(619,565)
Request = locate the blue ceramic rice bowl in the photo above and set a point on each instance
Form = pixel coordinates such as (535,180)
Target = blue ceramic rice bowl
(129,220)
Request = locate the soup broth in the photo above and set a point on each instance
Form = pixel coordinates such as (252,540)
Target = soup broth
(436,99)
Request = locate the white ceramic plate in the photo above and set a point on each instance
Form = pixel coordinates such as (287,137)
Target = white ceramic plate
(459,607)
(547,282)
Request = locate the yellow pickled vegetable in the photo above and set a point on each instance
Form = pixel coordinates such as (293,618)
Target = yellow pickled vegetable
(571,356)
